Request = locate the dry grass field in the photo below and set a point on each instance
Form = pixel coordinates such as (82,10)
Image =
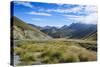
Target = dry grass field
(55,51)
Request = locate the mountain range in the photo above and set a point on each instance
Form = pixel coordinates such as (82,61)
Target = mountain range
(23,30)
(74,31)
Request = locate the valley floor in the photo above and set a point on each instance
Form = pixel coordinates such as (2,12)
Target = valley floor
(54,51)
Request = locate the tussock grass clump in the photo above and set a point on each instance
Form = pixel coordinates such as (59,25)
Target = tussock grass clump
(50,52)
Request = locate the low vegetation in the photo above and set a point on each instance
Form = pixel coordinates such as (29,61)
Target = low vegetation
(53,51)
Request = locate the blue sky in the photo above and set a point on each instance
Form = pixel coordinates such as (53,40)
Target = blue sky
(52,14)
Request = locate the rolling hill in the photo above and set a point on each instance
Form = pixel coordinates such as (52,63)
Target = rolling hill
(22,31)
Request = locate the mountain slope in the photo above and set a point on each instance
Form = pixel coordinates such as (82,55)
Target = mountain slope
(22,30)
(81,30)
(92,36)
(37,27)
(75,30)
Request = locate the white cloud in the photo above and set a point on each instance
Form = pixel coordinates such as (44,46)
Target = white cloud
(36,19)
(64,10)
(58,10)
(91,9)
(39,13)
(79,10)
(27,4)
(89,19)
(91,16)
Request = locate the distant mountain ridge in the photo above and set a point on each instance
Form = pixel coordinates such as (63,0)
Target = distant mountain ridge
(75,30)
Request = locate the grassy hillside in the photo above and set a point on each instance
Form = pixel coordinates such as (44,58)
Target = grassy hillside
(91,36)
(22,30)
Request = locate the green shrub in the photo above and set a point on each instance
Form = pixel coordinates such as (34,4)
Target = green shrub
(27,57)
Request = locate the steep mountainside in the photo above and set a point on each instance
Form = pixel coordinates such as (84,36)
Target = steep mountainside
(75,30)
(22,30)
(37,27)
(92,36)
(81,30)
